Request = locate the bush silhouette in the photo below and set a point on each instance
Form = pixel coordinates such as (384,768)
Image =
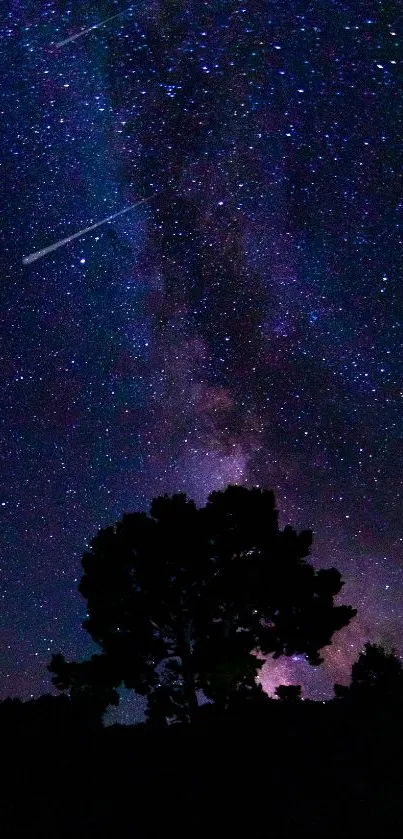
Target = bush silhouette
(289,693)
(376,676)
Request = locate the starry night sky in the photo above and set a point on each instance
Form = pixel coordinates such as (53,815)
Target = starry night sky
(243,325)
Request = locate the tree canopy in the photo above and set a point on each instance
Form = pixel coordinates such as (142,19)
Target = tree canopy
(376,676)
(185,599)
(289,693)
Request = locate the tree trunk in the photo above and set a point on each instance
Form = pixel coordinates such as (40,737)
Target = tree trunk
(190,692)
(185,653)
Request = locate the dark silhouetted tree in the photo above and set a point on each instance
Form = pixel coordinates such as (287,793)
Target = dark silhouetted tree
(89,684)
(48,715)
(376,676)
(289,693)
(186,599)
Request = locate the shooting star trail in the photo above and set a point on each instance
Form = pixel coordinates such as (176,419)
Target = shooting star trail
(26,260)
(90,28)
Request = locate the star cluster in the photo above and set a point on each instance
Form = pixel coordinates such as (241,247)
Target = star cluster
(243,325)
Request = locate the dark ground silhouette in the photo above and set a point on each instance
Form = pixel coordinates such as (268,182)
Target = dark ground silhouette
(275,769)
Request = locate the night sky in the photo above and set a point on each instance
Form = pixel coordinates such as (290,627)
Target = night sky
(244,324)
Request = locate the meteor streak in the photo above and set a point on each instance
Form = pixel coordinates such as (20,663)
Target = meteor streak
(90,28)
(26,260)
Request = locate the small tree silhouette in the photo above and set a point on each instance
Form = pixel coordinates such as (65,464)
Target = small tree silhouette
(289,693)
(90,685)
(376,676)
(199,596)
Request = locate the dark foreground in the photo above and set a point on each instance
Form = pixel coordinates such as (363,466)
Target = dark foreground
(313,770)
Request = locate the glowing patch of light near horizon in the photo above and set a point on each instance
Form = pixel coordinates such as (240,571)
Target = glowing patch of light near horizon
(275,672)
